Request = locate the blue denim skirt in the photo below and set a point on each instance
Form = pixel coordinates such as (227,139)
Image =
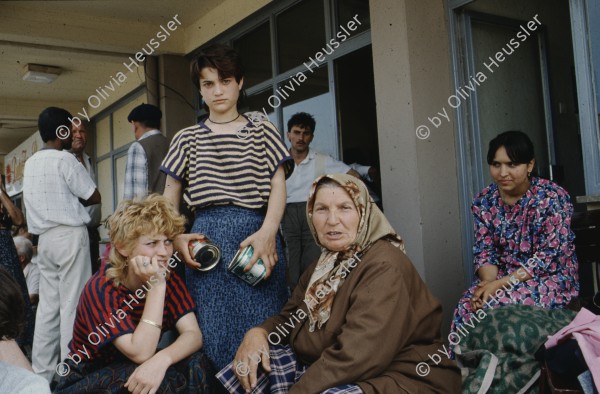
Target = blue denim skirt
(227,306)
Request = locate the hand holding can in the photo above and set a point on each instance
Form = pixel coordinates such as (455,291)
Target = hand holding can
(241,260)
(204,252)
(264,248)
(181,243)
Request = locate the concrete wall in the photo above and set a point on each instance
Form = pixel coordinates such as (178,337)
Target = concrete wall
(222,17)
(178,111)
(420,186)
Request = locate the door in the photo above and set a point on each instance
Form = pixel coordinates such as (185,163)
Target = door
(511,92)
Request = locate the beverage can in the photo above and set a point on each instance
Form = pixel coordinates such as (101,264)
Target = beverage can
(241,260)
(205,252)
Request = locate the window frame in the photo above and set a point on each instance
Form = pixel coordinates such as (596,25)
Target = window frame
(113,154)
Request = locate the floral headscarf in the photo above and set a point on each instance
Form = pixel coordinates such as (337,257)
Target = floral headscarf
(333,267)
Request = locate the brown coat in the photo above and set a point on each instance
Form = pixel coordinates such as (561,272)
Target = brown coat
(384,321)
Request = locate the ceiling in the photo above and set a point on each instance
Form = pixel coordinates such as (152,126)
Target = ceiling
(89,40)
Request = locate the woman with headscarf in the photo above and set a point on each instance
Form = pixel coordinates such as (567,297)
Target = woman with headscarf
(361,320)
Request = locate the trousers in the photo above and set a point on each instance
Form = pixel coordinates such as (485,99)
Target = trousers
(302,250)
(65,267)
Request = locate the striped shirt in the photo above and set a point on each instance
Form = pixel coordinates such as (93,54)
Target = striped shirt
(106,312)
(217,169)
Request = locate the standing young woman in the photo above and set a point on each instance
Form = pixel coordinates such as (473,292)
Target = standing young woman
(230,169)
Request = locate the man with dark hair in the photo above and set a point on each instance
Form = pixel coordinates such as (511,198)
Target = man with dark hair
(80,133)
(55,189)
(142,174)
(15,370)
(301,247)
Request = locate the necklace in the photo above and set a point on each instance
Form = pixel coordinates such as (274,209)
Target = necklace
(229,121)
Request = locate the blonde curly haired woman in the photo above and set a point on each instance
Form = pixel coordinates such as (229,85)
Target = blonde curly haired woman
(126,306)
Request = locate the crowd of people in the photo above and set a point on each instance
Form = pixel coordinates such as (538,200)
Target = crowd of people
(338,307)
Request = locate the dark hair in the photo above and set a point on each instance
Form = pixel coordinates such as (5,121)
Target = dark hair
(150,123)
(222,58)
(50,120)
(12,307)
(519,147)
(147,115)
(302,119)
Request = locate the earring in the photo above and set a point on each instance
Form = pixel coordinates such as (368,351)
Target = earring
(529,174)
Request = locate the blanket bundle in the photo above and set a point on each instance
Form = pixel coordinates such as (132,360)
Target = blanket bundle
(497,355)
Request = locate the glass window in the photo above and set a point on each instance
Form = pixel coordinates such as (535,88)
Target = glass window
(350,11)
(255,50)
(300,33)
(120,174)
(113,157)
(105,187)
(122,129)
(357,117)
(260,102)
(103,136)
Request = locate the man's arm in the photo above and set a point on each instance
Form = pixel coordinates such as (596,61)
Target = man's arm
(366,172)
(353,173)
(34,298)
(80,182)
(337,166)
(95,198)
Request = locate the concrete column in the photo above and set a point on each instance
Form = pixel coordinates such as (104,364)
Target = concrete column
(395,120)
(152,92)
(411,59)
(174,77)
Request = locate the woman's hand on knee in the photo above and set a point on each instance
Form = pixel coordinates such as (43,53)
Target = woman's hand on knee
(253,350)
(147,377)
(263,242)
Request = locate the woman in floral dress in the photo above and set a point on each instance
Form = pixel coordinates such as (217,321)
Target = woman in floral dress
(523,252)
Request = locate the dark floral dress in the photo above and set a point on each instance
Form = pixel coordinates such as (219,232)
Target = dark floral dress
(10,262)
(535,234)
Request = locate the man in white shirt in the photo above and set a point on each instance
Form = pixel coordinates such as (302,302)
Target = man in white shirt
(301,247)
(80,133)
(55,189)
